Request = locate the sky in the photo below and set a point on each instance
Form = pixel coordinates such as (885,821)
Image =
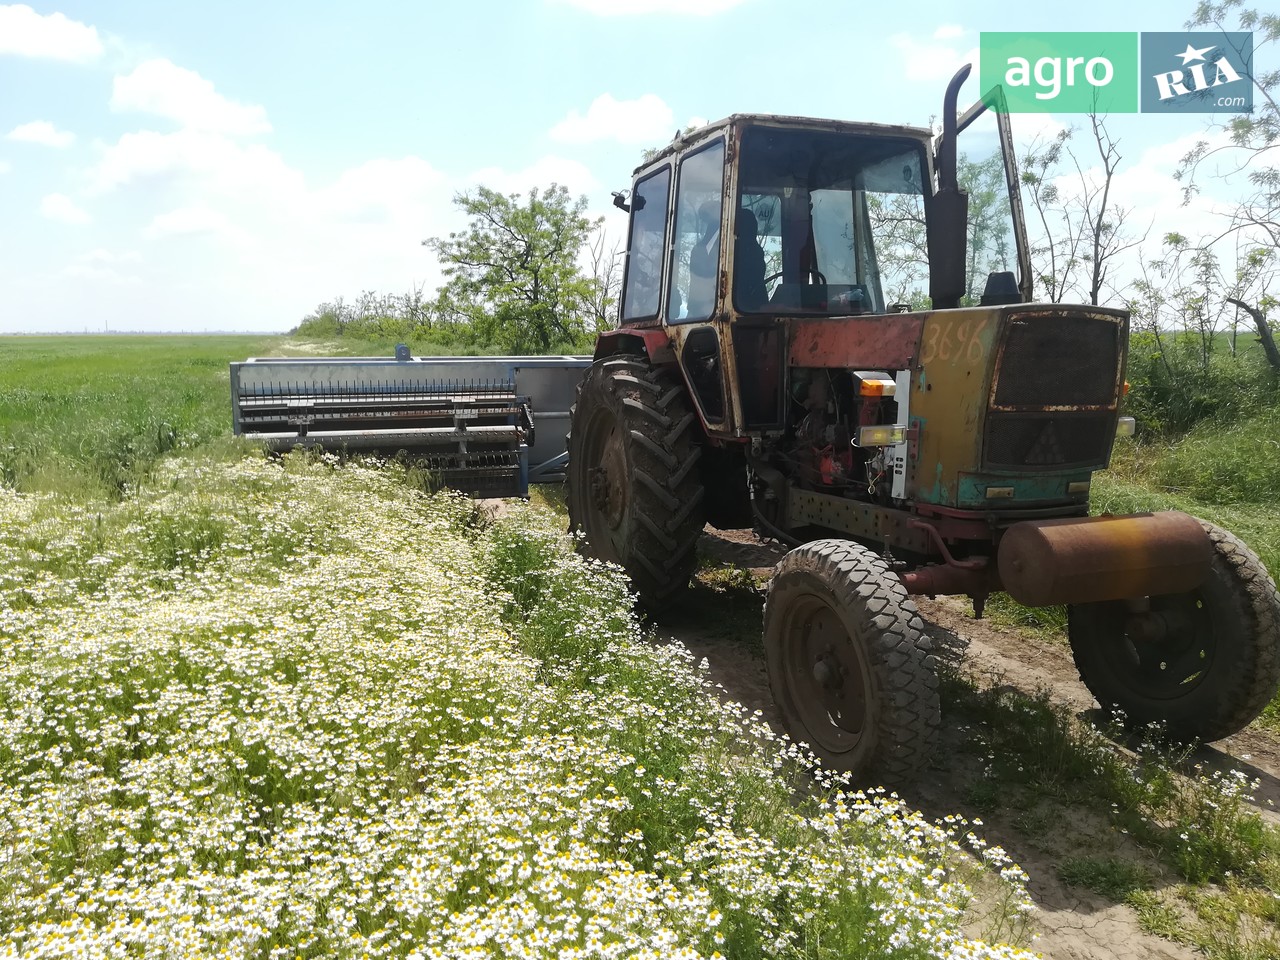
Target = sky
(169,166)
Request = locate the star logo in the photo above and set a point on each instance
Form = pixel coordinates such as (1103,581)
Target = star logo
(1191,53)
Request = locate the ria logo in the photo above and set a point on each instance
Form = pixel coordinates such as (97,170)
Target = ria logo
(1197,72)
(1174,83)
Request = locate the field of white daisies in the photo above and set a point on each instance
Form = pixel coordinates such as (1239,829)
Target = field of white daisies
(293,708)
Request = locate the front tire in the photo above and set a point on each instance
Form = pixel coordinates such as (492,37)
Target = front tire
(633,488)
(850,666)
(1213,666)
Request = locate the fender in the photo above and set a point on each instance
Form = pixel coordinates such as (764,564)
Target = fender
(652,343)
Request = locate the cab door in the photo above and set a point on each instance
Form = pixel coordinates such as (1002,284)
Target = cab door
(987,171)
(695,292)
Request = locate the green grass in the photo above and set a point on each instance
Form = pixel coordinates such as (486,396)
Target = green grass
(1110,877)
(1244,505)
(91,416)
(1222,856)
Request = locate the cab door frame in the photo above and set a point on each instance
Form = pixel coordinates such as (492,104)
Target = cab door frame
(994,100)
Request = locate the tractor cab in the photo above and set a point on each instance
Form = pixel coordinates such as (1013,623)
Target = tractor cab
(795,224)
(752,222)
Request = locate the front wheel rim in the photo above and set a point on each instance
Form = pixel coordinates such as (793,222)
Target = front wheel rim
(826,678)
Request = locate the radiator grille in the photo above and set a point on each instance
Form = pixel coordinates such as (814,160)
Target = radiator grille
(1048,441)
(1059,361)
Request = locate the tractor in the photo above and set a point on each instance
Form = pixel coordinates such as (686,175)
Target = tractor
(774,367)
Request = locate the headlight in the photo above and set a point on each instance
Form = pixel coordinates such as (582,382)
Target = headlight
(883,435)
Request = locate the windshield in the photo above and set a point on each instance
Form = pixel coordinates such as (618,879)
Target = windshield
(828,223)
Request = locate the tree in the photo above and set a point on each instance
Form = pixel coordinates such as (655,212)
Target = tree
(605,260)
(1083,230)
(991,242)
(898,225)
(514,275)
(1253,140)
(1255,273)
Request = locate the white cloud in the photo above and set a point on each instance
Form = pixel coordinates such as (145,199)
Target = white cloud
(100,255)
(213,161)
(376,191)
(41,131)
(645,120)
(542,173)
(28,34)
(696,121)
(162,88)
(932,60)
(1145,187)
(92,272)
(697,8)
(58,206)
(187,222)
(949,31)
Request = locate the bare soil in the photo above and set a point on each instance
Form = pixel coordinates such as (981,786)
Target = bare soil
(721,622)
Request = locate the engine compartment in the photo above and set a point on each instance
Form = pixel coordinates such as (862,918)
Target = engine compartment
(826,445)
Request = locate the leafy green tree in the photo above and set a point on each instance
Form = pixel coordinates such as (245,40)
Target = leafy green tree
(991,243)
(1254,138)
(513,276)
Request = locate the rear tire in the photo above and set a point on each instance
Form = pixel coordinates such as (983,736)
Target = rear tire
(1218,664)
(634,489)
(850,666)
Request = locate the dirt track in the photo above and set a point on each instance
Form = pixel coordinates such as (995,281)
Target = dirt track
(1073,923)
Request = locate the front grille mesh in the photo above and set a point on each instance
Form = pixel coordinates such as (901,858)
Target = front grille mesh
(1048,442)
(1059,361)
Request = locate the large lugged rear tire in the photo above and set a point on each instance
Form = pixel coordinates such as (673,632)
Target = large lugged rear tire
(1213,666)
(633,487)
(850,665)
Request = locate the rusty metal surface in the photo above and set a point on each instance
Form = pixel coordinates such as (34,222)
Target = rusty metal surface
(1060,358)
(654,340)
(962,358)
(858,519)
(1045,562)
(736,123)
(945,580)
(949,388)
(887,342)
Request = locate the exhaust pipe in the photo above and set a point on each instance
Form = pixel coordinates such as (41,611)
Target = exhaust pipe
(948,216)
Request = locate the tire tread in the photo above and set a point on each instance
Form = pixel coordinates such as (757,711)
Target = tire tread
(900,651)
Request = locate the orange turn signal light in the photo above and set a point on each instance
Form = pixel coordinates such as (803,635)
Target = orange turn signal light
(875,384)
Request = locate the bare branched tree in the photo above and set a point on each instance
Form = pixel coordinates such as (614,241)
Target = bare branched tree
(604,264)
(1083,230)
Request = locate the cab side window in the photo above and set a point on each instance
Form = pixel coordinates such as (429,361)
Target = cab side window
(695,255)
(642,289)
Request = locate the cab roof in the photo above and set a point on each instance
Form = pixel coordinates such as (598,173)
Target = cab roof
(684,141)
